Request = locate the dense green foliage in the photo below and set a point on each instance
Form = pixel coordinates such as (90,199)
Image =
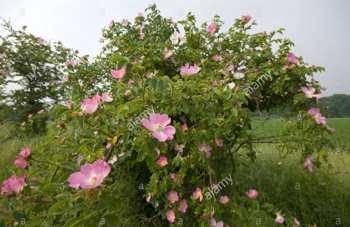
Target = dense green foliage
(210,112)
(337,105)
(31,74)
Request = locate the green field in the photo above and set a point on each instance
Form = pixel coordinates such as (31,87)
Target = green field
(321,197)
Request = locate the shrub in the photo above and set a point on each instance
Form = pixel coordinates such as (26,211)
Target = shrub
(195,88)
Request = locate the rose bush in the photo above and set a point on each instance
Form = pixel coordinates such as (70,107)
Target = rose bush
(98,166)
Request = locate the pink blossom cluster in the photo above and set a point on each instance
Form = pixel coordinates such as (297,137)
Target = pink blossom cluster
(159,126)
(189,70)
(13,185)
(21,159)
(90,105)
(309,92)
(315,113)
(90,175)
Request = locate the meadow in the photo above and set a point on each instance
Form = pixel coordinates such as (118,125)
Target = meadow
(321,197)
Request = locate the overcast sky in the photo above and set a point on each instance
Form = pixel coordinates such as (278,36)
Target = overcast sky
(319,28)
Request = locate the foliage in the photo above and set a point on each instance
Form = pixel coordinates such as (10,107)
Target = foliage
(337,105)
(209,108)
(31,70)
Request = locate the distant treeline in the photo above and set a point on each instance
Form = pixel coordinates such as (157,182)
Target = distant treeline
(336,105)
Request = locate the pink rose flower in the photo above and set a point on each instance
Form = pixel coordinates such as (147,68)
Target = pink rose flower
(69,63)
(20,162)
(309,163)
(188,70)
(197,194)
(212,28)
(252,193)
(246,18)
(309,92)
(170,216)
(219,142)
(217,57)
(279,219)
(292,59)
(125,22)
(173,177)
(119,73)
(224,199)
(25,152)
(183,206)
(213,223)
(159,126)
(205,148)
(317,116)
(90,105)
(12,185)
(90,175)
(106,97)
(162,161)
(172,197)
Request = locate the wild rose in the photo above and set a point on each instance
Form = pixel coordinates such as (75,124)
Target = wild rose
(106,97)
(167,53)
(197,194)
(172,197)
(309,163)
(279,219)
(224,199)
(309,92)
(90,105)
(183,206)
(25,152)
(188,70)
(162,161)
(205,148)
(212,28)
(12,185)
(217,57)
(20,162)
(317,116)
(170,216)
(69,63)
(213,223)
(125,22)
(252,193)
(246,18)
(159,126)
(292,59)
(173,177)
(119,73)
(90,175)
(219,142)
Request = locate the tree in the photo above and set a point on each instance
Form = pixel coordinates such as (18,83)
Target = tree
(32,71)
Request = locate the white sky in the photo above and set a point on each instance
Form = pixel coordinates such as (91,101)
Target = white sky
(319,28)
